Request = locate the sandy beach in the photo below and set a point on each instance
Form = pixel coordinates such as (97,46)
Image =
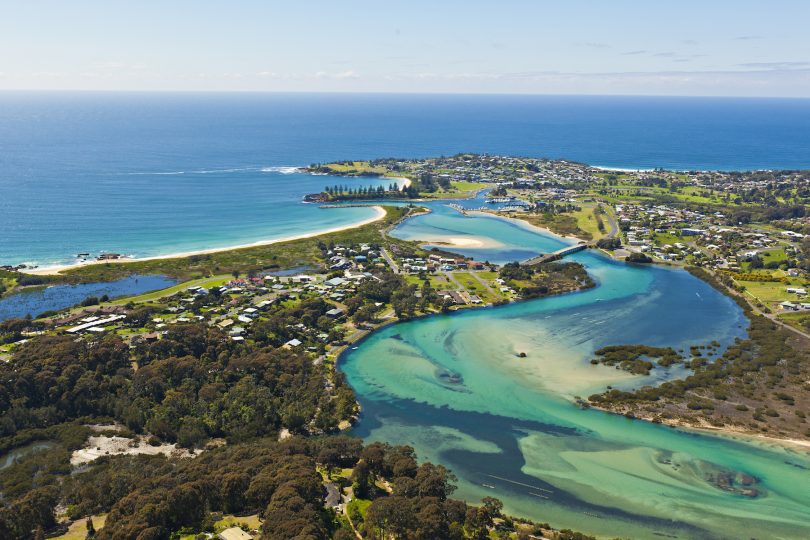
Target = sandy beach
(476,242)
(406,182)
(528,226)
(52,270)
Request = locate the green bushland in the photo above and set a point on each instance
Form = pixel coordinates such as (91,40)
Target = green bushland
(536,281)
(636,358)
(765,372)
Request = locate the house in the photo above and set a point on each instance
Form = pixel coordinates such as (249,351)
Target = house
(234,533)
(334,313)
(95,323)
(292,343)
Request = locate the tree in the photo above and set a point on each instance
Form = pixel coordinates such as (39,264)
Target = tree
(390,516)
(492,507)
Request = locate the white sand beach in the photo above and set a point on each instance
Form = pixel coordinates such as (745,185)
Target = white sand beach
(472,242)
(51,270)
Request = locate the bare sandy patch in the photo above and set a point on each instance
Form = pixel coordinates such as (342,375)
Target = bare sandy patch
(100,446)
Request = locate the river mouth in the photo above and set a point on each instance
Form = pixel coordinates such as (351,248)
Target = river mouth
(452,387)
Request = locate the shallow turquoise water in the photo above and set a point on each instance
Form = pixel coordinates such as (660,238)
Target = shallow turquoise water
(454,388)
(503,240)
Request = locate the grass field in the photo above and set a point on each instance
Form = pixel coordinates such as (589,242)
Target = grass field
(8,280)
(228,521)
(437,281)
(78,529)
(473,286)
(769,292)
(662,239)
(563,224)
(459,190)
(586,221)
(207,283)
(356,167)
(799,320)
(775,255)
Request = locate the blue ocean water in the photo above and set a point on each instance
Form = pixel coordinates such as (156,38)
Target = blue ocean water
(156,173)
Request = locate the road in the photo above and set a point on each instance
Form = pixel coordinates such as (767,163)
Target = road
(758,311)
(485,284)
(390,260)
(559,254)
(614,227)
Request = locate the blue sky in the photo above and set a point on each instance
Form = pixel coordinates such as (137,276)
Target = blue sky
(652,47)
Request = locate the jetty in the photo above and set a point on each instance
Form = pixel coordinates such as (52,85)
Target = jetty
(556,255)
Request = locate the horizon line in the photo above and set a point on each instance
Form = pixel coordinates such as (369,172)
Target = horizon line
(380,93)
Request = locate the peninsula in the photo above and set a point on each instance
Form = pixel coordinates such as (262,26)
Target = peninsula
(303,304)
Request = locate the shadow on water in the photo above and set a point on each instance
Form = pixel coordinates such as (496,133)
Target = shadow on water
(502,472)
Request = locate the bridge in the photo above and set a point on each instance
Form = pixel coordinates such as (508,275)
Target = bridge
(557,255)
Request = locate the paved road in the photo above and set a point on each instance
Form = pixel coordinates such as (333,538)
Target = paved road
(614,227)
(559,254)
(390,260)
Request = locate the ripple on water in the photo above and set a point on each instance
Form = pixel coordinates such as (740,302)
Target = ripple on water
(514,433)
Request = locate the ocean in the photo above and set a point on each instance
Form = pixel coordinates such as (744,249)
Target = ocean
(148,174)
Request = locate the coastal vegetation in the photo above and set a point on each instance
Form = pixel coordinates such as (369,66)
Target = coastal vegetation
(757,385)
(537,281)
(243,421)
(638,359)
(250,260)
(562,220)
(248,414)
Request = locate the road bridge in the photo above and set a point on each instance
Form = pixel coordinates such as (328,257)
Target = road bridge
(556,255)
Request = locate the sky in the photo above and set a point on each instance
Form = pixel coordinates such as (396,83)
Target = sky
(629,47)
